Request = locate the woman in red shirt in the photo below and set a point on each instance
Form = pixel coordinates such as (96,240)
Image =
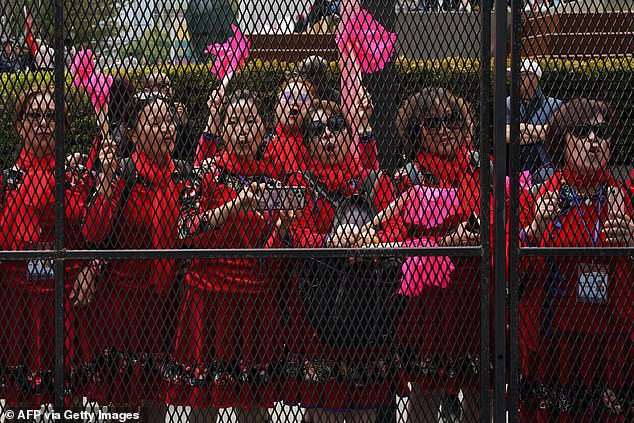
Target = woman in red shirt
(27,208)
(576,312)
(439,332)
(137,297)
(333,380)
(228,352)
(285,148)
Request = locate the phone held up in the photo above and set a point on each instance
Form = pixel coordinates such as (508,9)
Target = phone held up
(282,198)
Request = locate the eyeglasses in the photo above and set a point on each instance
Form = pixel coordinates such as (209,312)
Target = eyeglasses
(37,117)
(317,129)
(601,130)
(453,120)
(289,97)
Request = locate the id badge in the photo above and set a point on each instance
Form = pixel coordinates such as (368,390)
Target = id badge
(593,283)
(40,269)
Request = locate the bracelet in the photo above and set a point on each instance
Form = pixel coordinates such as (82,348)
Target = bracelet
(525,239)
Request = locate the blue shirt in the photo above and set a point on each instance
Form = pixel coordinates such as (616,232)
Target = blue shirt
(537,111)
(533,157)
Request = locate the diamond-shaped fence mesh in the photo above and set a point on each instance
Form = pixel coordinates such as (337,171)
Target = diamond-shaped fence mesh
(316,211)
(571,301)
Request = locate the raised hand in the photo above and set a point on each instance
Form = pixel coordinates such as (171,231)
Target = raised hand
(85,286)
(247,199)
(461,237)
(619,227)
(345,236)
(109,165)
(214,103)
(547,207)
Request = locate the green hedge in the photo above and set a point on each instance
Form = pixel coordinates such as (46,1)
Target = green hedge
(610,79)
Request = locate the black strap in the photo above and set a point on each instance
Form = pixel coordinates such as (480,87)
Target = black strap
(315,186)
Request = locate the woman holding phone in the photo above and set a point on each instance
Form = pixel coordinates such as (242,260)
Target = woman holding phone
(228,352)
(337,376)
(137,208)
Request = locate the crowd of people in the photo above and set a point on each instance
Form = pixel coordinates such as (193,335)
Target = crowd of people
(244,333)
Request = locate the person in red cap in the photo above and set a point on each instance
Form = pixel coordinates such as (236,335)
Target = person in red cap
(27,222)
(576,314)
(229,349)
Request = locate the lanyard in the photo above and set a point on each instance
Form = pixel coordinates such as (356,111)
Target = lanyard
(576,204)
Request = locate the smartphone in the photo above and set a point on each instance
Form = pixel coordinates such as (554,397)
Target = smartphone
(473,223)
(282,198)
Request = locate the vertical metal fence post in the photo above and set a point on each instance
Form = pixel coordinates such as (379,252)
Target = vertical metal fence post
(499,188)
(485,147)
(514,279)
(60,118)
(380,84)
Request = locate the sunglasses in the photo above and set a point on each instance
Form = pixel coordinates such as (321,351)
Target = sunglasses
(289,97)
(601,130)
(453,120)
(335,124)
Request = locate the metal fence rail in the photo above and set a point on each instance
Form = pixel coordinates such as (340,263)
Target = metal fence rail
(203,220)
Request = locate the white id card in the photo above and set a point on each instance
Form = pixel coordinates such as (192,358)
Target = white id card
(593,283)
(39,269)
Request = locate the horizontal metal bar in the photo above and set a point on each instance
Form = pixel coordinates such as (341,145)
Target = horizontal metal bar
(577,251)
(242,253)
(30,255)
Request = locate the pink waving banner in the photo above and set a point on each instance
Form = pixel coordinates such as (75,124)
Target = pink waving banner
(369,41)
(419,272)
(95,83)
(230,55)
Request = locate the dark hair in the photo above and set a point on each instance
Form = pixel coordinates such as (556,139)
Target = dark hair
(22,103)
(121,92)
(138,103)
(578,111)
(415,109)
(234,98)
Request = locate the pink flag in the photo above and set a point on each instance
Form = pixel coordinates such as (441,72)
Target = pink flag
(365,46)
(525,182)
(370,43)
(95,83)
(230,55)
(427,206)
(419,272)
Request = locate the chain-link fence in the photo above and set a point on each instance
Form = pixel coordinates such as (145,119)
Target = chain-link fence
(316,211)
